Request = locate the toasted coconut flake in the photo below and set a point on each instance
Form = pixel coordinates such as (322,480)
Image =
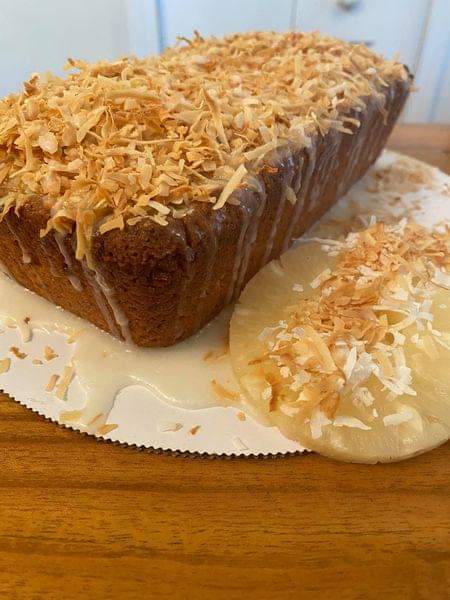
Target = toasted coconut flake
(350,363)
(74,335)
(289,410)
(51,383)
(239,444)
(106,428)
(320,279)
(49,353)
(290,195)
(17,353)
(222,392)
(95,418)
(216,354)
(241,416)
(231,186)
(169,426)
(114,223)
(70,416)
(318,421)
(403,416)
(441,279)
(5,364)
(64,382)
(344,421)
(48,142)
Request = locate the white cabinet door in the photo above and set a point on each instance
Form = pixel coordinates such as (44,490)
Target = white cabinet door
(218,17)
(432,100)
(387,26)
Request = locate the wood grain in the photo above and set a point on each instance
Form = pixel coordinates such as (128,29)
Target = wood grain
(81,518)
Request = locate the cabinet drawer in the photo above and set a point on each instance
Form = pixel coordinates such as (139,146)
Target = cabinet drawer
(387,27)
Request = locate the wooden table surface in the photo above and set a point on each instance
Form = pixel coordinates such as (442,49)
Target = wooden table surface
(81,518)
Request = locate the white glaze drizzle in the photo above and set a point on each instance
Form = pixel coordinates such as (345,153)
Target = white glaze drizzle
(26,262)
(355,154)
(100,300)
(246,216)
(301,190)
(253,229)
(275,223)
(110,297)
(26,258)
(207,281)
(60,240)
(329,158)
(183,297)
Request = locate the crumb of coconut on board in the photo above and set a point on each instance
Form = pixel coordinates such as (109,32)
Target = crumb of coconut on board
(239,444)
(165,426)
(95,418)
(51,383)
(49,353)
(216,354)
(60,383)
(332,343)
(404,175)
(70,416)
(18,353)
(224,393)
(106,428)
(5,364)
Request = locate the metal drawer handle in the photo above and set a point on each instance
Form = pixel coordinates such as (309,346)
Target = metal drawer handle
(348,5)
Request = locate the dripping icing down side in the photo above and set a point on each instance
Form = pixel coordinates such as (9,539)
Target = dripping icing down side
(26,258)
(120,318)
(61,243)
(100,300)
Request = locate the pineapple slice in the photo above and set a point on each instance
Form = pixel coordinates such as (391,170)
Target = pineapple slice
(377,393)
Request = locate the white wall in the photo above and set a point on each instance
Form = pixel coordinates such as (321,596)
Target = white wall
(36,35)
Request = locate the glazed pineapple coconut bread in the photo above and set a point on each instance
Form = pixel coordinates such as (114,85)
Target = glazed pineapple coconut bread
(143,194)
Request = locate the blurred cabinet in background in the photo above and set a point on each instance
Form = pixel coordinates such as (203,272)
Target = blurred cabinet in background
(386,27)
(40,34)
(210,17)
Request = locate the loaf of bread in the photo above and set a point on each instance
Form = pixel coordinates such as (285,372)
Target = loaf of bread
(142,195)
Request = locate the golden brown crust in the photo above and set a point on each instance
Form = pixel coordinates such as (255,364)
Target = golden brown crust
(169,281)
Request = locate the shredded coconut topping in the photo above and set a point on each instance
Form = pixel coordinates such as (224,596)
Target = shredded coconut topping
(350,332)
(116,142)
